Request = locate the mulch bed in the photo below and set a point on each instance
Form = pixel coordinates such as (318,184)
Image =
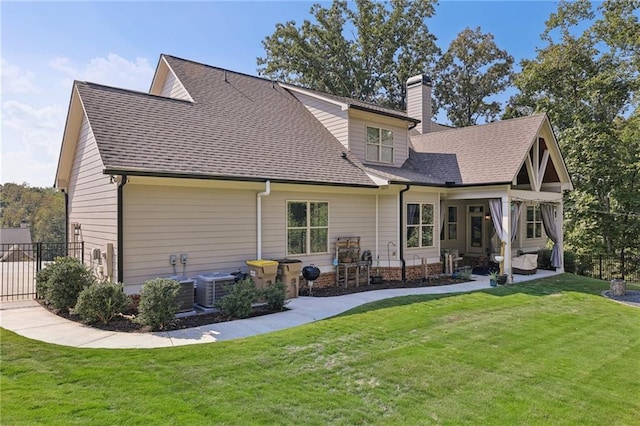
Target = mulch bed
(125,323)
(340,291)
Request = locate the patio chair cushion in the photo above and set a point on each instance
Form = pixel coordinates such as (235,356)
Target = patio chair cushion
(527,264)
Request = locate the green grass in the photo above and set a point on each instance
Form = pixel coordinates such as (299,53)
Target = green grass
(547,352)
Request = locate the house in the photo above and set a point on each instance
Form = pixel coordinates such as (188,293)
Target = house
(15,243)
(224,167)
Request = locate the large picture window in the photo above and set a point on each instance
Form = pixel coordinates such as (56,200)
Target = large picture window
(419,225)
(379,145)
(534,222)
(307,227)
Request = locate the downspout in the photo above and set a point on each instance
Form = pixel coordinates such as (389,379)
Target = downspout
(404,264)
(377,257)
(266,192)
(121,184)
(66,222)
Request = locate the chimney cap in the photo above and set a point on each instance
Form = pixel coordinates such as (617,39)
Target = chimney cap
(423,79)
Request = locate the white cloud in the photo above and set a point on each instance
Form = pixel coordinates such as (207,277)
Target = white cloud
(15,80)
(31,140)
(33,120)
(113,70)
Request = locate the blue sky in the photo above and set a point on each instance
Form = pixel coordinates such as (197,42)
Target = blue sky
(46,45)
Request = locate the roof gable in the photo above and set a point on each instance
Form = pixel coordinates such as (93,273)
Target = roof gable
(490,153)
(237,127)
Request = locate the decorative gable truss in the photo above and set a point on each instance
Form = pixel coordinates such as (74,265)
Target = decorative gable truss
(543,168)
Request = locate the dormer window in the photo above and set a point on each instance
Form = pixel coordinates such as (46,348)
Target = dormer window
(379,145)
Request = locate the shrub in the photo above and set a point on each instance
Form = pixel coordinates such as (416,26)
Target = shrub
(42,282)
(67,277)
(238,299)
(274,295)
(101,302)
(158,302)
(569,262)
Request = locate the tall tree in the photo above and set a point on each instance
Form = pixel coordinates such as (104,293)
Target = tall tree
(366,53)
(42,208)
(586,81)
(471,71)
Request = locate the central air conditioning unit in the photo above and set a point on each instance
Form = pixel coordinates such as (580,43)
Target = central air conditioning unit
(185,296)
(211,287)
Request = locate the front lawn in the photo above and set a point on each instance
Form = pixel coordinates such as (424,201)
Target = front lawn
(546,352)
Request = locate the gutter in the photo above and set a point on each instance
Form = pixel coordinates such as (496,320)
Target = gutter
(266,192)
(145,173)
(121,184)
(401,248)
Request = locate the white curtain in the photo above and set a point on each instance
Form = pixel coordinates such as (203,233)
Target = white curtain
(549,212)
(495,206)
(515,218)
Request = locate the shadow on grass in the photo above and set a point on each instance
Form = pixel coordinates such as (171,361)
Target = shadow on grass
(539,287)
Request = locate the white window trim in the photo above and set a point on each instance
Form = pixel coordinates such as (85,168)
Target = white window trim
(308,227)
(379,145)
(420,225)
(537,219)
(447,223)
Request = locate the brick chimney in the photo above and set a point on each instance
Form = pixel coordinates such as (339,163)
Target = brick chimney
(419,101)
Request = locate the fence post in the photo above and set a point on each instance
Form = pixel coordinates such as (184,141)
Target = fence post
(600,264)
(82,250)
(38,256)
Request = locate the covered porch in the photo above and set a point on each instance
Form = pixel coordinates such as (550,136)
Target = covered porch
(500,229)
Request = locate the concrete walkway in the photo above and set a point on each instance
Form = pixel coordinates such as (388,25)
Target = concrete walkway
(31,320)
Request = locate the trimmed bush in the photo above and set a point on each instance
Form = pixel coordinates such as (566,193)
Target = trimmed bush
(158,302)
(42,282)
(101,302)
(65,279)
(274,295)
(238,300)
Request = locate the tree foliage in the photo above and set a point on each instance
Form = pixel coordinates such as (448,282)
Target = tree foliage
(42,208)
(472,70)
(587,83)
(366,52)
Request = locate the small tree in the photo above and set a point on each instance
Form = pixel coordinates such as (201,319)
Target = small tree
(158,302)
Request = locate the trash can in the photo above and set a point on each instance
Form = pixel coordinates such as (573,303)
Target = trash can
(262,272)
(289,274)
(211,287)
(186,294)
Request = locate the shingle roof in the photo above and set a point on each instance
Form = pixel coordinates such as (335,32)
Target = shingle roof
(15,236)
(484,154)
(242,128)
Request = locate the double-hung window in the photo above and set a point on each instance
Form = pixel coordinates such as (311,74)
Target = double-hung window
(307,227)
(419,225)
(534,222)
(379,145)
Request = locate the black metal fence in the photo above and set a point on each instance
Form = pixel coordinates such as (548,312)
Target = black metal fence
(608,267)
(21,262)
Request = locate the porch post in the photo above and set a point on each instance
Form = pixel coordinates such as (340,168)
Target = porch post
(560,226)
(506,231)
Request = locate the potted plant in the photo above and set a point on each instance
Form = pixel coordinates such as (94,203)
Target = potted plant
(377,278)
(493,278)
(502,279)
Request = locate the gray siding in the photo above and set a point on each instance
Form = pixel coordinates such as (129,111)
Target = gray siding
(217,228)
(330,115)
(92,198)
(173,88)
